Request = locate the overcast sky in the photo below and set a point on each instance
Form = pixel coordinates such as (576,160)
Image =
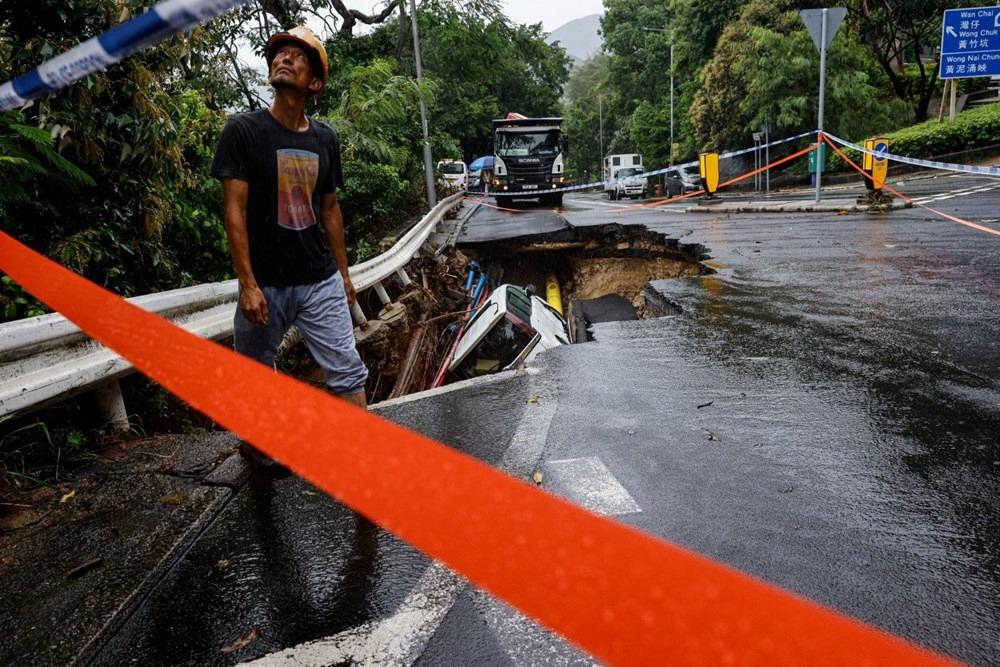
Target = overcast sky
(551,13)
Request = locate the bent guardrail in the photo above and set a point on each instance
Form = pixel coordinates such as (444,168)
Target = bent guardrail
(47,358)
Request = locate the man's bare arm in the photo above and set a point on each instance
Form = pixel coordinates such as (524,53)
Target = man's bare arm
(252,302)
(333,223)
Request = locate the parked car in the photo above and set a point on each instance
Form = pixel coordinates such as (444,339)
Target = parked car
(454,174)
(690,179)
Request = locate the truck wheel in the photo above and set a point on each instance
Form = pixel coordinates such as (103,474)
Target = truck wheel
(557,200)
(612,195)
(503,201)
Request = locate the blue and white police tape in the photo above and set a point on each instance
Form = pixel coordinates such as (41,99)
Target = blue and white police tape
(931,164)
(158,23)
(656,172)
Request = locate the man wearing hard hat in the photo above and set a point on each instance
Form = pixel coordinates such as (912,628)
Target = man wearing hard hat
(280,171)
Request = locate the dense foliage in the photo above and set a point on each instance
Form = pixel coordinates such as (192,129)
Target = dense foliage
(740,63)
(110,176)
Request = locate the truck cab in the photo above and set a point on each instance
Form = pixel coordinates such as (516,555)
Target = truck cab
(621,176)
(528,159)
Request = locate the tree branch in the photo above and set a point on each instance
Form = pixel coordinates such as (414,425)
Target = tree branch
(351,17)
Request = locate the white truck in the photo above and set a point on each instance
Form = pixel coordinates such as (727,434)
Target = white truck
(621,176)
(454,174)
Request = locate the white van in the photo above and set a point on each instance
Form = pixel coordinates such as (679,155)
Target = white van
(621,176)
(510,329)
(454,174)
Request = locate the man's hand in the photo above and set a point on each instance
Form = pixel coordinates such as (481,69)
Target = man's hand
(349,290)
(254,305)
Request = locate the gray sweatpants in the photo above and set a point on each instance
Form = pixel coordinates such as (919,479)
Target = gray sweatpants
(321,313)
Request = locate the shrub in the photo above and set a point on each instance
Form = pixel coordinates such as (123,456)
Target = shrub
(974,128)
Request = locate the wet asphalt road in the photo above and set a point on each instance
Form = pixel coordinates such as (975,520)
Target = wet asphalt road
(847,450)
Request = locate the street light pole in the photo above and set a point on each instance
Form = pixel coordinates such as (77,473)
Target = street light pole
(671,104)
(600,133)
(428,169)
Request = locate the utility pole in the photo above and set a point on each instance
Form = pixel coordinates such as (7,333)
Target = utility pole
(428,168)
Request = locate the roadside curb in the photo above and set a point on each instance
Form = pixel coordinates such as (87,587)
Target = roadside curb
(798,208)
(235,475)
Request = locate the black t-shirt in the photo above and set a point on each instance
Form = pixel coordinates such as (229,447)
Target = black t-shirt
(288,172)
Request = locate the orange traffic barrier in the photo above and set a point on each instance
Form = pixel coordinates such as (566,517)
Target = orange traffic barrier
(906,198)
(622,595)
(742,177)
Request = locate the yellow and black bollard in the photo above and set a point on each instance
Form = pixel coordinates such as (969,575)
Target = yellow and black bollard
(875,163)
(708,169)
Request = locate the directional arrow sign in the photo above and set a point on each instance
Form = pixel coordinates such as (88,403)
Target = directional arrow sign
(970,42)
(813,18)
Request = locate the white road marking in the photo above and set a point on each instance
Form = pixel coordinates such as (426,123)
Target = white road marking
(957,193)
(589,483)
(402,637)
(524,641)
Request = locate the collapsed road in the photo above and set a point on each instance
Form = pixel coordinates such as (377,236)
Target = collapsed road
(819,409)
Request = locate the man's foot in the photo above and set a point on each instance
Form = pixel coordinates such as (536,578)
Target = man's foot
(262,464)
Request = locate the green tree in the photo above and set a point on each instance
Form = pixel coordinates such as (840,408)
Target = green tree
(587,91)
(904,31)
(765,67)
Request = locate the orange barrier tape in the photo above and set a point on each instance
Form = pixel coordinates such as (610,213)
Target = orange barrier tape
(886,186)
(776,163)
(658,202)
(742,177)
(622,595)
(504,208)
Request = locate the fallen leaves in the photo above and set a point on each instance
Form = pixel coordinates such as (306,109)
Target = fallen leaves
(240,643)
(177,498)
(538,477)
(535,399)
(66,496)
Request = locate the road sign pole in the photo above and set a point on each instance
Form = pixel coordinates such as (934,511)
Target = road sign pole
(822,99)
(767,154)
(954,100)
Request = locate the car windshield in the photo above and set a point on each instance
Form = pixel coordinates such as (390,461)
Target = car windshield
(527,144)
(452,168)
(629,171)
(497,350)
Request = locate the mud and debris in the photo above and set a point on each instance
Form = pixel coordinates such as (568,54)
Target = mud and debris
(603,273)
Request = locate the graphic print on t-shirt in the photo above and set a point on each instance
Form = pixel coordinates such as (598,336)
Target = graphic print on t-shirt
(297,174)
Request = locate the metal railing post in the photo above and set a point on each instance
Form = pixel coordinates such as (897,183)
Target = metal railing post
(382,295)
(112,406)
(359,315)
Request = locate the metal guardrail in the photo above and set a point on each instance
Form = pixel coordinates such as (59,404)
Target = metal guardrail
(47,358)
